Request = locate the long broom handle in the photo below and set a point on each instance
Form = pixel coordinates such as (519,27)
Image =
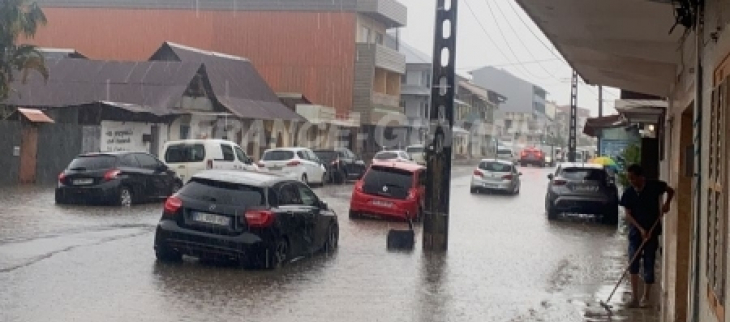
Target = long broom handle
(636,256)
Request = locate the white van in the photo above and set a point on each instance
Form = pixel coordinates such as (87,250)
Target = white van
(188,157)
(417,153)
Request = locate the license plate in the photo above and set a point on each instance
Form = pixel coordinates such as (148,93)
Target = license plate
(83,181)
(211,219)
(489,185)
(585,189)
(276,168)
(382,203)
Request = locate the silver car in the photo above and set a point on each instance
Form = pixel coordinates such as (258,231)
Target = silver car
(582,188)
(496,175)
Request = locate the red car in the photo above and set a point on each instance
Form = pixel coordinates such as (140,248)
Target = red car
(533,156)
(392,190)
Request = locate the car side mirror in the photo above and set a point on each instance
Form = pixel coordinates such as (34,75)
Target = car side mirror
(162,168)
(323,205)
(550,176)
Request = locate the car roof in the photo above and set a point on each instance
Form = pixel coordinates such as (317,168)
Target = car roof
(111,153)
(412,167)
(292,149)
(251,178)
(581,165)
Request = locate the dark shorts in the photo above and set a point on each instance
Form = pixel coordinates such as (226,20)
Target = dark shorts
(647,259)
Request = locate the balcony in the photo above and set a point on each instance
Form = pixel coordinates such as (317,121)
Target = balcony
(382,57)
(387,101)
(390,12)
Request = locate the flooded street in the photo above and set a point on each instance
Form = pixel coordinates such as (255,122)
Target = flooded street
(506,263)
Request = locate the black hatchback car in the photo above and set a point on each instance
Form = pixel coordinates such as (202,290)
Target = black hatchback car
(118,178)
(582,188)
(342,164)
(259,220)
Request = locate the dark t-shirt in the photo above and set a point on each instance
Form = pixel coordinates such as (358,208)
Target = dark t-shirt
(645,206)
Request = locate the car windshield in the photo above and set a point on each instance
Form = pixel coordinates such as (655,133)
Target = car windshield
(396,182)
(386,156)
(504,151)
(326,155)
(580,174)
(278,155)
(224,193)
(183,153)
(495,166)
(96,162)
(415,149)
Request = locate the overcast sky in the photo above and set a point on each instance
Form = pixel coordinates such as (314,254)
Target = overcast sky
(507,39)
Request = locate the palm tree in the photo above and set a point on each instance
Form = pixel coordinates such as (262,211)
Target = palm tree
(19,19)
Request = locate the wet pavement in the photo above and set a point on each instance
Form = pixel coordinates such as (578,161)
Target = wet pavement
(506,263)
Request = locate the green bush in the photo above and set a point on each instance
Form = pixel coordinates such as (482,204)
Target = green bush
(630,155)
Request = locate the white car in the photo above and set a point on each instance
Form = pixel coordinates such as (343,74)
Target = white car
(494,174)
(188,157)
(417,153)
(395,155)
(296,163)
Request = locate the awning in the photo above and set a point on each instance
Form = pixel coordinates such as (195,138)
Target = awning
(642,111)
(594,125)
(35,116)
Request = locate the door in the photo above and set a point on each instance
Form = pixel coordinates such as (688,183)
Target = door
(316,166)
(244,160)
(156,179)
(28,154)
(130,167)
(229,158)
(316,221)
(299,220)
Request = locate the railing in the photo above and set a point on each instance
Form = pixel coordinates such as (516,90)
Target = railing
(386,100)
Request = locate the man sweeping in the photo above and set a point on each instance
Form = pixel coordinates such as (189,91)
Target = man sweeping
(643,204)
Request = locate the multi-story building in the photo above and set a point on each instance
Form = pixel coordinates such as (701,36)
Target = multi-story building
(562,123)
(331,52)
(519,117)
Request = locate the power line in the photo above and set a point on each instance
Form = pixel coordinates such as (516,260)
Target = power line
(513,64)
(558,56)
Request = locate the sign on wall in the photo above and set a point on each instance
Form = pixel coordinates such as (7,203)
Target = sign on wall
(123,136)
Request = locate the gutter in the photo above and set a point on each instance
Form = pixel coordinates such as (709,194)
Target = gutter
(697,129)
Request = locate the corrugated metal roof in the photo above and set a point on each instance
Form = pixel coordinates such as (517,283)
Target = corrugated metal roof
(154,86)
(236,83)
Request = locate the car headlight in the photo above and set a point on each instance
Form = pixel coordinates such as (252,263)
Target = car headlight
(547,159)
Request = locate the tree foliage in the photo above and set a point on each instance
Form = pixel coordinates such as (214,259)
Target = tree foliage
(19,19)
(630,155)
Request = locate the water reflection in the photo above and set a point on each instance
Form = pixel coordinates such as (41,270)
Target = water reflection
(433,300)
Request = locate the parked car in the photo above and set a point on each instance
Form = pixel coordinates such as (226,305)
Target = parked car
(395,155)
(533,156)
(297,163)
(259,220)
(496,175)
(118,178)
(505,153)
(417,153)
(394,190)
(341,164)
(188,157)
(582,188)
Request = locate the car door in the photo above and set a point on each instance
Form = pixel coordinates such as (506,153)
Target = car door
(229,161)
(299,220)
(243,161)
(317,219)
(315,164)
(134,174)
(156,177)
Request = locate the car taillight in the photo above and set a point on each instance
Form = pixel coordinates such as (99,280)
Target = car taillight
(478,173)
(559,182)
(523,153)
(111,175)
(259,218)
(293,163)
(209,164)
(261,164)
(507,177)
(172,205)
(61,176)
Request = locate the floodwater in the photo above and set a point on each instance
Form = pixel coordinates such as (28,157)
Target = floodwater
(505,262)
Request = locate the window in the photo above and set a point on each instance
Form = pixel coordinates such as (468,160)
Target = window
(225,193)
(228,154)
(307,196)
(426,79)
(716,198)
(184,131)
(182,153)
(240,154)
(495,166)
(278,155)
(129,161)
(365,34)
(147,161)
(289,195)
(396,182)
(301,155)
(97,162)
(379,38)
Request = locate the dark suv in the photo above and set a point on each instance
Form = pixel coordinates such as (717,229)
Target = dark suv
(259,220)
(341,164)
(119,178)
(582,188)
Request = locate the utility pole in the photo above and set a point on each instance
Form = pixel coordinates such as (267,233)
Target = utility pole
(572,135)
(441,117)
(600,114)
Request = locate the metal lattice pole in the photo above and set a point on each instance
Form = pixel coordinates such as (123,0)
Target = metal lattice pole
(572,136)
(441,116)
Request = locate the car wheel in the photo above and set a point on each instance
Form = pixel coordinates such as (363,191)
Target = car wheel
(277,254)
(473,190)
(610,217)
(124,198)
(354,215)
(341,177)
(166,254)
(517,190)
(324,180)
(60,198)
(304,178)
(333,238)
